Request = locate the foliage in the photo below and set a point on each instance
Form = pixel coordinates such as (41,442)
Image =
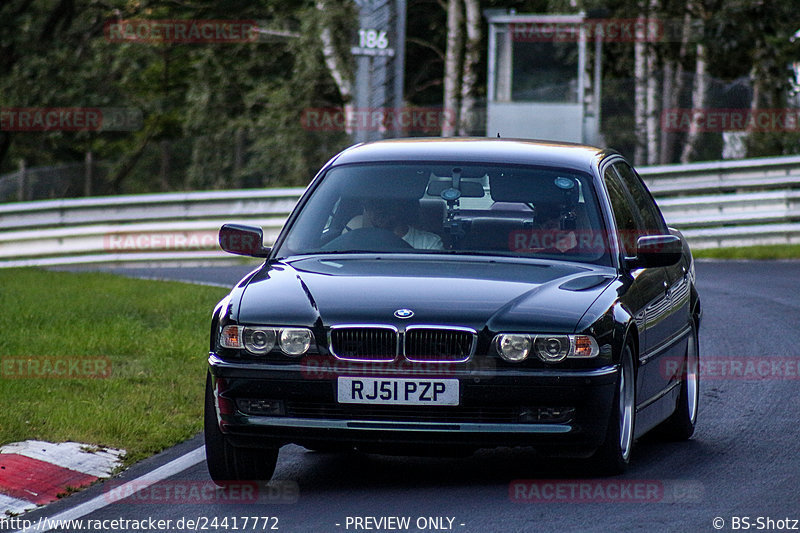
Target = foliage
(216,115)
(223,115)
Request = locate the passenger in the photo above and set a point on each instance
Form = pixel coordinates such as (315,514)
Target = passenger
(397,216)
(548,220)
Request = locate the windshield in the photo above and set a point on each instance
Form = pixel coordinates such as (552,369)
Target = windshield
(442,208)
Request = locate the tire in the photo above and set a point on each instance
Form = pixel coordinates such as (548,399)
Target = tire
(680,425)
(614,454)
(228,463)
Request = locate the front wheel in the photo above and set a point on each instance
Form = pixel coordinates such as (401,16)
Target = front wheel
(614,454)
(228,463)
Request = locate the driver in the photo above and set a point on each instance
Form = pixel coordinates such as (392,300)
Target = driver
(395,216)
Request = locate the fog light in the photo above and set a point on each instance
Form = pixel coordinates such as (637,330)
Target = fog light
(259,340)
(514,348)
(552,415)
(552,348)
(231,337)
(260,407)
(295,341)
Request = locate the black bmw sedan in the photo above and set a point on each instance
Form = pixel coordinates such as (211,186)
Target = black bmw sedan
(454,294)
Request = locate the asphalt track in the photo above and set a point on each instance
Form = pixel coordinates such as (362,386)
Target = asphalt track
(744,460)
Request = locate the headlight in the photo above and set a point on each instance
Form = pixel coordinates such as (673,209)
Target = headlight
(516,347)
(295,341)
(259,340)
(552,348)
(513,348)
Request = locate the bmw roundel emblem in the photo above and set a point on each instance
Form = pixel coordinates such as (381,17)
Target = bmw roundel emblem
(404,313)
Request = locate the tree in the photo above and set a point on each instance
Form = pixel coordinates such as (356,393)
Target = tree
(460,66)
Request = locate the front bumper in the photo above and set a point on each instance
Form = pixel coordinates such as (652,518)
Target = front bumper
(560,412)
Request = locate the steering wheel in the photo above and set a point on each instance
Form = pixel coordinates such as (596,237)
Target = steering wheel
(368,239)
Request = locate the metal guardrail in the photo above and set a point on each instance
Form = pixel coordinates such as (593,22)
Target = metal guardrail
(723,176)
(730,203)
(721,204)
(147,227)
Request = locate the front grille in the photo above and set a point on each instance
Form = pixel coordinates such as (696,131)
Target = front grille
(364,343)
(410,413)
(438,344)
(423,344)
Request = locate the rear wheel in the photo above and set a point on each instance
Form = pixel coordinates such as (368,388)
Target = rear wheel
(614,454)
(680,425)
(228,463)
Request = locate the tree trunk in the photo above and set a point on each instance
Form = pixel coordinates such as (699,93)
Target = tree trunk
(698,103)
(652,117)
(640,91)
(23,190)
(652,106)
(452,67)
(469,77)
(336,69)
(668,96)
(673,87)
(332,61)
(640,103)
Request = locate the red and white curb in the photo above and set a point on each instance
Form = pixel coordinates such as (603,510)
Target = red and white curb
(34,472)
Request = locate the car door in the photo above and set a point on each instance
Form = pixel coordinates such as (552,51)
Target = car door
(677,274)
(648,295)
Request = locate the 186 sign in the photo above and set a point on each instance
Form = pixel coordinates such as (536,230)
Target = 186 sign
(368,38)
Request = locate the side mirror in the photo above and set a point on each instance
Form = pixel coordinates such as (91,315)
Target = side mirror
(656,251)
(243,240)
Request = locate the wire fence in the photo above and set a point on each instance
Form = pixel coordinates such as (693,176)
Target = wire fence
(70,180)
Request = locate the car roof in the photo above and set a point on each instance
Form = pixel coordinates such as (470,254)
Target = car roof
(476,150)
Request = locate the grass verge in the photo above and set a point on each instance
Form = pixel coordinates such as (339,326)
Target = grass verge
(781,251)
(145,343)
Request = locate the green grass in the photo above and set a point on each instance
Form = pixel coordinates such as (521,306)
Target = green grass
(154,335)
(782,251)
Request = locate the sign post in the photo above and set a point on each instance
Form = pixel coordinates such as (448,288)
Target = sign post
(379,49)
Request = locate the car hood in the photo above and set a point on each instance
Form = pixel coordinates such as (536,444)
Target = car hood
(498,295)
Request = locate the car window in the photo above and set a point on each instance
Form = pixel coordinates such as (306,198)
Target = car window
(629,225)
(448,208)
(649,212)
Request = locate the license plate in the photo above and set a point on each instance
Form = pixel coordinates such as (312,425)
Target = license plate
(397,391)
